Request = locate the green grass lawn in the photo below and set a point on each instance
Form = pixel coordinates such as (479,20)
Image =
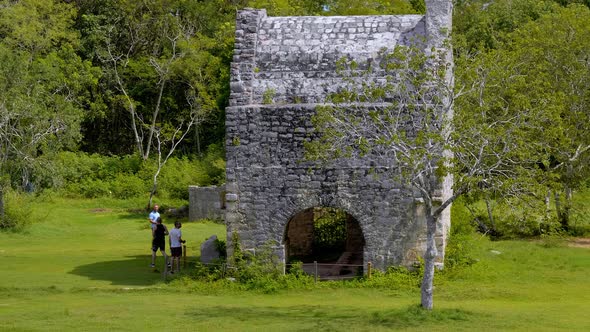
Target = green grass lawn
(84,266)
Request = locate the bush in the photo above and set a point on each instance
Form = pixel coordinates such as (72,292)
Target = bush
(91,175)
(70,167)
(89,188)
(259,272)
(214,164)
(17,212)
(221,247)
(177,175)
(127,186)
(396,277)
(459,251)
(461,242)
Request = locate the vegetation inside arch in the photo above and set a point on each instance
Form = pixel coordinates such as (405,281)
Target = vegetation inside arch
(328,236)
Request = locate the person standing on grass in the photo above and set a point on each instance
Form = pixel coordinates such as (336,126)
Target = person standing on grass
(154,215)
(175,246)
(159,242)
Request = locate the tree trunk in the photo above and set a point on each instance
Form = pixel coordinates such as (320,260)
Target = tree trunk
(427,287)
(565,217)
(481,225)
(547,204)
(148,145)
(138,139)
(1,203)
(557,205)
(563,214)
(154,186)
(490,215)
(198,140)
(152,193)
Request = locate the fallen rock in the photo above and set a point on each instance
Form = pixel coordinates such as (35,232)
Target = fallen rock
(209,250)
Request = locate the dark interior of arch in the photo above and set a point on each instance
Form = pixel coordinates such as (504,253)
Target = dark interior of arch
(331,237)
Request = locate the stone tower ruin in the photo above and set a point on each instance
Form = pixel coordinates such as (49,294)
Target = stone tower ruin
(282,68)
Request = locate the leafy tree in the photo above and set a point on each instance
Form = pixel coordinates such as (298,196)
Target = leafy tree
(541,71)
(41,87)
(154,55)
(337,7)
(482,25)
(370,7)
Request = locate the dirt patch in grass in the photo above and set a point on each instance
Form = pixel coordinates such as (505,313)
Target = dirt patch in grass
(580,243)
(101,210)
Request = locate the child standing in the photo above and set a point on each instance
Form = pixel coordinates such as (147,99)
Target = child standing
(175,246)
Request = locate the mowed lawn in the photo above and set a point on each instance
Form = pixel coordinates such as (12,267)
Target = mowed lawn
(84,266)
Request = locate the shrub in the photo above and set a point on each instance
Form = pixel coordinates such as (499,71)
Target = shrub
(70,167)
(17,212)
(459,251)
(177,175)
(221,247)
(395,277)
(127,186)
(461,243)
(214,164)
(78,174)
(90,188)
(260,271)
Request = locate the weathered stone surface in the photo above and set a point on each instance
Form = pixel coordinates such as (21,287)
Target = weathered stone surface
(209,251)
(206,202)
(292,60)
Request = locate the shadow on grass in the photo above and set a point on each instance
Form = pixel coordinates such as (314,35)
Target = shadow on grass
(134,215)
(133,271)
(330,317)
(141,217)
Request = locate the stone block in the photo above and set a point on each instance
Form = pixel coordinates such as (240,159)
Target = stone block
(209,251)
(229,197)
(206,202)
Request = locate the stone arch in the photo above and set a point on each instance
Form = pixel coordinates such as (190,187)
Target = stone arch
(326,235)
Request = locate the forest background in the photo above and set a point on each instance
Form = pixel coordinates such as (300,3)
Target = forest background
(126,98)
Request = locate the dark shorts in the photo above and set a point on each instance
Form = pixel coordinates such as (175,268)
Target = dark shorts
(176,251)
(158,244)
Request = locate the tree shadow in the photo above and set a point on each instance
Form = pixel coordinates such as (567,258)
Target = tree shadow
(142,217)
(133,271)
(325,317)
(134,215)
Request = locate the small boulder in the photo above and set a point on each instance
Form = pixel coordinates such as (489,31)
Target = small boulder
(209,250)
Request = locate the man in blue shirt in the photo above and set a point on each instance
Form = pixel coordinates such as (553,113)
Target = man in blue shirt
(153,217)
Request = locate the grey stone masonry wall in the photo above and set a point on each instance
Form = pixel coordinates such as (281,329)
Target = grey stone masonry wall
(206,202)
(293,59)
(268,181)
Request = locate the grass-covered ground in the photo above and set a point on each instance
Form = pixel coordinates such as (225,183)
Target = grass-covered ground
(84,266)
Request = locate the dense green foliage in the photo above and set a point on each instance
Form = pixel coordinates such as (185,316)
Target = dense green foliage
(529,66)
(329,231)
(93,175)
(42,95)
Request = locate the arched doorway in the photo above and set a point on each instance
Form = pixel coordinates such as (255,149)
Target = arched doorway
(331,237)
